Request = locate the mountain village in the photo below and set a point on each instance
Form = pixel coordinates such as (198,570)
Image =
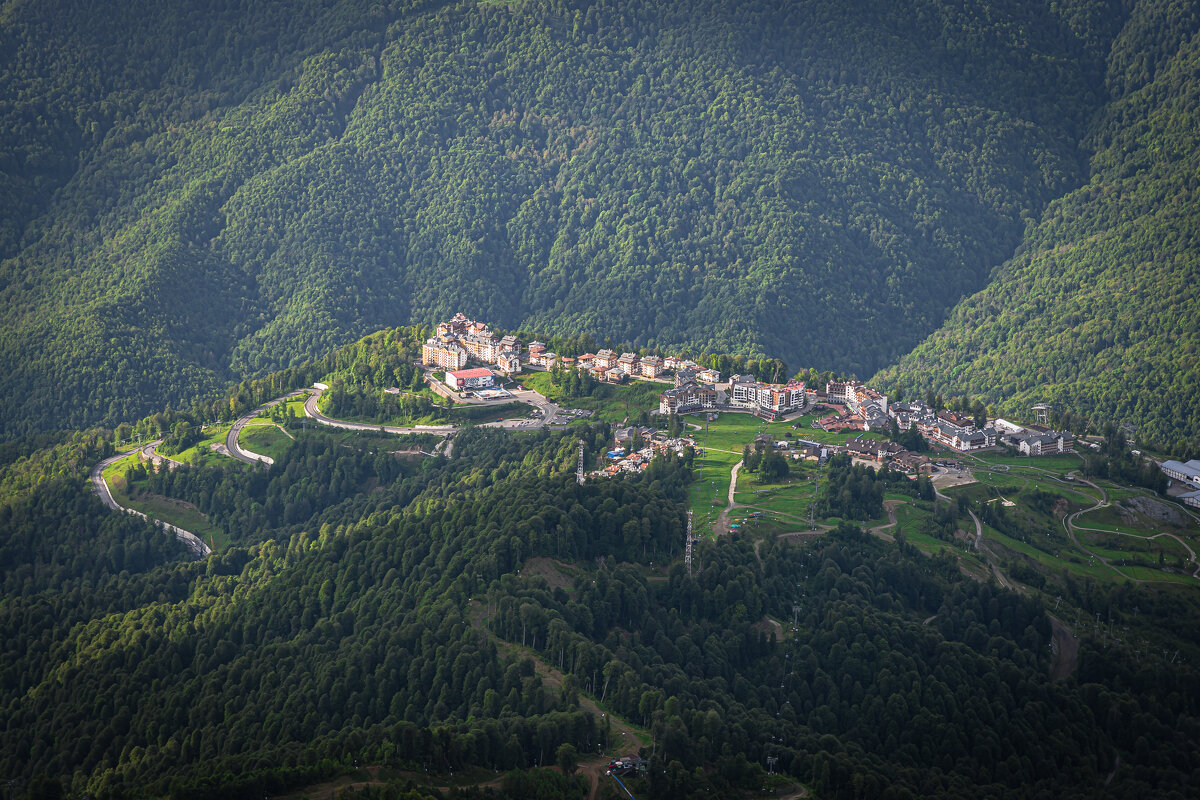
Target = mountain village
(690,388)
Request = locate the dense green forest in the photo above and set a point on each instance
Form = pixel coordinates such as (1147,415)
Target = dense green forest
(203,206)
(211,192)
(372,611)
(1098,312)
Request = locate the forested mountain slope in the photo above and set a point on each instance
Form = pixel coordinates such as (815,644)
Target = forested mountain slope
(1100,311)
(215,190)
(383,626)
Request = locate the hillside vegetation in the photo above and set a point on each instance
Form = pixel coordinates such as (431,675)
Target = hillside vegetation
(399,622)
(212,191)
(1099,313)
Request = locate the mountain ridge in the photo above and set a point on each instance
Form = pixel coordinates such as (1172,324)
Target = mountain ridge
(1096,313)
(666,175)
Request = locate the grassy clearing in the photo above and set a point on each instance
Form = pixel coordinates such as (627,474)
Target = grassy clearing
(268,440)
(804,430)
(175,512)
(1079,565)
(1057,463)
(202,453)
(610,402)
(721,447)
(1109,518)
(793,498)
(296,407)
(1114,545)
(1151,574)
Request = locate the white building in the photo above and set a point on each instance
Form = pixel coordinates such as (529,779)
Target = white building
(1188,472)
(477,378)
(767,398)
(509,362)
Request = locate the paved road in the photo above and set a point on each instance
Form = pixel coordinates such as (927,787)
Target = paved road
(231,439)
(311,410)
(1069,524)
(190,540)
(547,408)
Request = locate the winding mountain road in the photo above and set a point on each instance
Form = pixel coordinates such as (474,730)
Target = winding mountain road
(547,408)
(190,540)
(1072,528)
(234,448)
(313,412)
(1069,524)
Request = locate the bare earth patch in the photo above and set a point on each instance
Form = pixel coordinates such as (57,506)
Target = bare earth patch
(547,569)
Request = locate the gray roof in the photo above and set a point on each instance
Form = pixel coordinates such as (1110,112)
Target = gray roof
(1191,468)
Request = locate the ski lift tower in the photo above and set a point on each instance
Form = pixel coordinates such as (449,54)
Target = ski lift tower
(1041,413)
(687,546)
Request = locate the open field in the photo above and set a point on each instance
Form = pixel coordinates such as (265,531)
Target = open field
(721,442)
(1150,574)
(1054,463)
(791,497)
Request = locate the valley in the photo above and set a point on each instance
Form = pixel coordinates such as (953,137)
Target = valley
(571,400)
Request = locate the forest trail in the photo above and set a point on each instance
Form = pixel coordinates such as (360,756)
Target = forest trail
(624,736)
(1066,659)
(879,530)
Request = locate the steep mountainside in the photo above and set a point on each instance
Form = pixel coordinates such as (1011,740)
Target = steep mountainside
(216,190)
(1099,313)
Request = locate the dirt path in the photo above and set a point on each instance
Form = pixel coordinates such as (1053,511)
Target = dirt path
(1069,524)
(624,736)
(1067,657)
(1191,552)
(890,507)
(990,558)
(721,526)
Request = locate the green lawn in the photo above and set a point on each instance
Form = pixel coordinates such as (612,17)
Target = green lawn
(1130,545)
(1080,565)
(296,407)
(1057,463)
(610,402)
(793,497)
(721,445)
(202,453)
(1151,574)
(265,438)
